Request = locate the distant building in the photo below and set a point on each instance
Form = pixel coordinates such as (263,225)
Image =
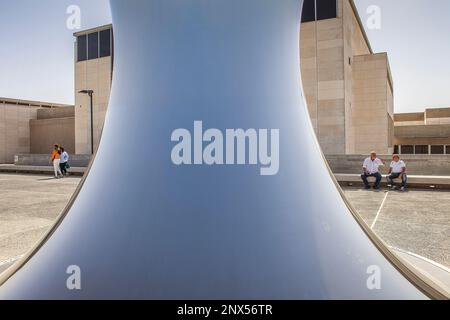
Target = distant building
(423,132)
(23,128)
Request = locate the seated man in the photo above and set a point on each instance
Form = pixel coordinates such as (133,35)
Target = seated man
(371,169)
(397,170)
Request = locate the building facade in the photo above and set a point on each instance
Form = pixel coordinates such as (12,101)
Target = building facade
(18,135)
(423,133)
(93,71)
(348,88)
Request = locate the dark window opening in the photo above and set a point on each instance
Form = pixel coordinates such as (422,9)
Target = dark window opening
(105,43)
(447,150)
(82,48)
(93,46)
(437,150)
(326,9)
(396,150)
(422,149)
(407,149)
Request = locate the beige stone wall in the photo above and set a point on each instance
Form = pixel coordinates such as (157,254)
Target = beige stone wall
(53,113)
(94,75)
(321,47)
(371,109)
(422,135)
(47,132)
(15,130)
(354,44)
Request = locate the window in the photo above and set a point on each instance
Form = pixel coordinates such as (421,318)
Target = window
(421,149)
(437,149)
(105,43)
(326,9)
(82,48)
(396,150)
(407,149)
(448,150)
(93,46)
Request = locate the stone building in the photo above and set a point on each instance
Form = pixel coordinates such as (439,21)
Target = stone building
(93,71)
(348,88)
(21,132)
(423,132)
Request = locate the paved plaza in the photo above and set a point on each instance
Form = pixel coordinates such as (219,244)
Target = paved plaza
(29,205)
(417,221)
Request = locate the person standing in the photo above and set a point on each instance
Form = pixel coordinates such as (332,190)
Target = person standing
(56,160)
(64,161)
(371,168)
(396,171)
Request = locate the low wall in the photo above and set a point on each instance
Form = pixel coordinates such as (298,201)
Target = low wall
(76,160)
(429,165)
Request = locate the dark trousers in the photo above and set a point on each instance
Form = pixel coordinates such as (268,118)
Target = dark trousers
(394,176)
(63,167)
(377,176)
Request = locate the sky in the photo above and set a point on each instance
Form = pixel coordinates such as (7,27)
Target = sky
(37,47)
(36,55)
(416,35)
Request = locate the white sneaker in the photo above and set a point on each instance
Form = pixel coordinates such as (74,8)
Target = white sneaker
(403,189)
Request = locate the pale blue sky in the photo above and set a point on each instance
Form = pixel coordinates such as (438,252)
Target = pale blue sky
(416,35)
(37,48)
(36,55)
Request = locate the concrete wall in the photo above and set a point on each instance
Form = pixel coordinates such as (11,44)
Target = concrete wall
(66,112)
(94,75)
(372,104)
(322,57)
(354,44)
(76,160)
(416,164)
(15,130)
(422,135)
(47,132)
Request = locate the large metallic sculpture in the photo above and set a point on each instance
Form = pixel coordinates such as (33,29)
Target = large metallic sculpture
(172,209)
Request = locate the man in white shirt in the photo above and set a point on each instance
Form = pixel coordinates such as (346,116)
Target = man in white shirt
(371,168)
(396,171)
(64,161)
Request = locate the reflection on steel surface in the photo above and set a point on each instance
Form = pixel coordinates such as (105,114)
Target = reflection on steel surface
(144,227)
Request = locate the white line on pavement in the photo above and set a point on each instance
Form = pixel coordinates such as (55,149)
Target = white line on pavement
(379,211)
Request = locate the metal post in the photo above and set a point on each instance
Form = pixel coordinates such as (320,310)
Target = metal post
(92,122)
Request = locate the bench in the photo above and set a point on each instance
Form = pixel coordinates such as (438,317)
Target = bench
(442,182)
(11,168)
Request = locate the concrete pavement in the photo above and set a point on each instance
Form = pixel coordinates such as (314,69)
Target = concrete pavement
(29,205)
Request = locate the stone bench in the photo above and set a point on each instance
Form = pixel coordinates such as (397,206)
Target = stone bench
(413,180)
(11,168)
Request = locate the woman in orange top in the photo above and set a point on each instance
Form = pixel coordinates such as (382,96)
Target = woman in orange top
(56,160)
